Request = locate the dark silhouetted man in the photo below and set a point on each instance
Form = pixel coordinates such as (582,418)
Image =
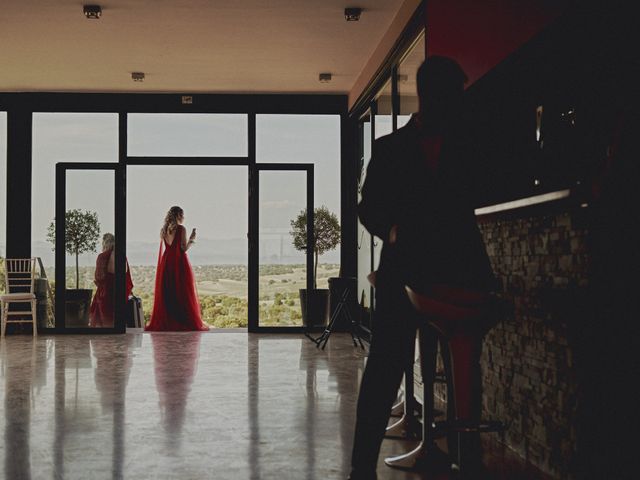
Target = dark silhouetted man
(415,199)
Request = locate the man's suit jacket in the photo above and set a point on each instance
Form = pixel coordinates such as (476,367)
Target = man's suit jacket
(438,240)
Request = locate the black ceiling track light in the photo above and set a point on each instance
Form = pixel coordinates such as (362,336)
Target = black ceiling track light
(92,12)
(352,14)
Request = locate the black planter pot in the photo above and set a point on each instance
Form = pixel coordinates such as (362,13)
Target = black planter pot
(315,307)
(76,308)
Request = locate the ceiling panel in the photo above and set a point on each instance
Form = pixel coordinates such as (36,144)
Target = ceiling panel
(218,46)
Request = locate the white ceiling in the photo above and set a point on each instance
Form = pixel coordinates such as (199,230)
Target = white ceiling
(188,45)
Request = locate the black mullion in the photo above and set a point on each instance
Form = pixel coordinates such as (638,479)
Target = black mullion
(283,166)
(120,247)
(120,208)
(60,260)
(87,165)
(253,219)
(180,161)
(310,236)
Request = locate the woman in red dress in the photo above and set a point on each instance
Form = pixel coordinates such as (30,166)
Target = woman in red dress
(101,313)
(175,306)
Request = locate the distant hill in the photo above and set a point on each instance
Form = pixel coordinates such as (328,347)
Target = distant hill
(231,251)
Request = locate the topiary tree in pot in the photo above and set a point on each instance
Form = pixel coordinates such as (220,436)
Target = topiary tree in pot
(326,235)
(82,232)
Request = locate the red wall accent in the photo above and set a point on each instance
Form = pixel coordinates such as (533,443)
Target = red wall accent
(481,33)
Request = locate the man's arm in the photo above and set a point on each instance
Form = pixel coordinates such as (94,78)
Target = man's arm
(376,208)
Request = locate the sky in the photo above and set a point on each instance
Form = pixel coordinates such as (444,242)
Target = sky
(215,199)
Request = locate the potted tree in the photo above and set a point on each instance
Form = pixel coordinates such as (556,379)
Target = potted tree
(326,232)
(82,231)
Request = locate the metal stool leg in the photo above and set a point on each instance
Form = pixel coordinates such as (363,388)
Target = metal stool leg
(426,454)
(408,425)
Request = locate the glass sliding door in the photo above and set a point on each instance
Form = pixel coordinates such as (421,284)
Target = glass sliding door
(285,264)
(215,201)
(89,283)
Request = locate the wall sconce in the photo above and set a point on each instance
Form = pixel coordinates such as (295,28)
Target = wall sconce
(137,76)
(324,77)
(92,12)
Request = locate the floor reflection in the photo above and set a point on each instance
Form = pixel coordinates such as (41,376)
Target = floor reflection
(19,368)
(245,406)
(311,414)
(175,364)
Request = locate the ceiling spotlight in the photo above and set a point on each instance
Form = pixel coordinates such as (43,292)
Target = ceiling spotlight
(137,76)
(324,77)
(92,12)
(352,14)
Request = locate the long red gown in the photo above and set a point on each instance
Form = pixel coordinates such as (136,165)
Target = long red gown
(175,306)
(101,313)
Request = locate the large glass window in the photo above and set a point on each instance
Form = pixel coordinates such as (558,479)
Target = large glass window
(187,135)
(364,237)
(215,202)
(384,110)
(3,185)
(282,268)
(407,85)
(64,137)
(311,139)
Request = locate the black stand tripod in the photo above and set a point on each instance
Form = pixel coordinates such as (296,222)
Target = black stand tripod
(353,327)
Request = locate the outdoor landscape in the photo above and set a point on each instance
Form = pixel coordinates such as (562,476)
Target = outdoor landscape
(222,290)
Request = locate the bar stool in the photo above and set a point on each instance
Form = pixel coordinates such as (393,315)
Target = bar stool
(460,320)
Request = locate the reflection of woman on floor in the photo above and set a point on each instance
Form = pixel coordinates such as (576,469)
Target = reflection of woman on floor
(175,364)
(175,305)
(102,307)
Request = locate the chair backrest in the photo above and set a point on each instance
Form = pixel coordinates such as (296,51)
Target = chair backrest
(19,275)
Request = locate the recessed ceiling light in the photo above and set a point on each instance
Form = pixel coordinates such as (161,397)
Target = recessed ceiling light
(92,12)
(137,76)
(324,77)
(352,14)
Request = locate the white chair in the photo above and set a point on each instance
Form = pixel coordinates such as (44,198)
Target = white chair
(19,280)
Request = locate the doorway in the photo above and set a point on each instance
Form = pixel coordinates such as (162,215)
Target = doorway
(215,202)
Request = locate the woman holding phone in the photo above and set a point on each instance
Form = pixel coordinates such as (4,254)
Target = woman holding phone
(175,306)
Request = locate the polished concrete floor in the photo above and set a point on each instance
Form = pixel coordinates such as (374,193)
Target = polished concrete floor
(183,406)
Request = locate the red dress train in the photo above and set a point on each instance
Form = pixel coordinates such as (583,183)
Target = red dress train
(175,306)
(102,311)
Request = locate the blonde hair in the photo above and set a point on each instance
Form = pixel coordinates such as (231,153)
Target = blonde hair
(108,241)
(171,220)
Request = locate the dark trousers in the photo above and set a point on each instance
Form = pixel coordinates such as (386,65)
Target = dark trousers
(392,349)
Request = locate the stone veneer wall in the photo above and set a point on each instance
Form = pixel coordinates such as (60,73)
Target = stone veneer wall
(529,379)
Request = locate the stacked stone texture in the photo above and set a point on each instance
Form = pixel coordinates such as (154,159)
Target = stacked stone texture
(528,370)
(527,361)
